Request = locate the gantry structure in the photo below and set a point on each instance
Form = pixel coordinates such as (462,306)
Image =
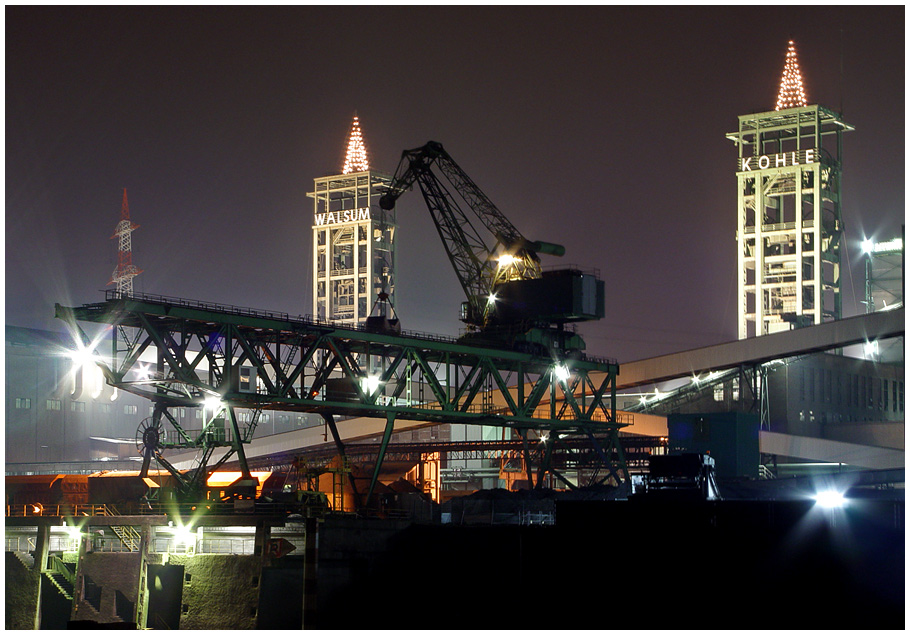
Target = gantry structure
(354,240)
(789,228)
(224,359)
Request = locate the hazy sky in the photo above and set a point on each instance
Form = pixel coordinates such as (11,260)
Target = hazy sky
(601,128)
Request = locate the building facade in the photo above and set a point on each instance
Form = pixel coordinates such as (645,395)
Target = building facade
(354,254)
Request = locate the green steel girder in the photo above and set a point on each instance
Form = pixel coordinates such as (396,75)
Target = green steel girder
(309,366)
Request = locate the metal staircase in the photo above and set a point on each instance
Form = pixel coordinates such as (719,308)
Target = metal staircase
(60,576)
(129,537)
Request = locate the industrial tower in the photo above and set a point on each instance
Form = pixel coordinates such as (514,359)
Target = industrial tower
(789,229)
(125,272)
(354,254)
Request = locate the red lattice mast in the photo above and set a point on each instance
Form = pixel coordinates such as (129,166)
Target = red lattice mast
(125,272)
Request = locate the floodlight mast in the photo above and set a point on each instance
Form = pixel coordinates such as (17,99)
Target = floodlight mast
(479,265)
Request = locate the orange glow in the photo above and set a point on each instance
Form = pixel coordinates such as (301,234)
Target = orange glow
(223,479)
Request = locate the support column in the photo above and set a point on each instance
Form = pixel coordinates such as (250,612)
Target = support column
(339,445)
(42,547)
(310,559)
(389,427)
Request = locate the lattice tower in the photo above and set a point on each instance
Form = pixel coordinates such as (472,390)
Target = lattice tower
(125,272)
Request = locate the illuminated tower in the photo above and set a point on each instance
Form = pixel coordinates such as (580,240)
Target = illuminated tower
(125,272)
(789,227)
(354,253)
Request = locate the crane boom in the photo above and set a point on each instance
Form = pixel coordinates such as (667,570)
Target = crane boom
(489,267)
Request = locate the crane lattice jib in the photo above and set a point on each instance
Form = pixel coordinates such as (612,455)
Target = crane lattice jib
(463,245)
(474,260)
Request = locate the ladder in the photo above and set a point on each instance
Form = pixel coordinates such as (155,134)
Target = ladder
(129,536)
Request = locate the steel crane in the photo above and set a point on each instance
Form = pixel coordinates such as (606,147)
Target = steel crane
(510,299)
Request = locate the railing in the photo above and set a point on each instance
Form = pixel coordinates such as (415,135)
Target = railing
(62,509)
(308,320)
(536,518)
(15,543)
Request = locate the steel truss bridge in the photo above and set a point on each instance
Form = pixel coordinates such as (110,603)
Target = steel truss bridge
(224,359)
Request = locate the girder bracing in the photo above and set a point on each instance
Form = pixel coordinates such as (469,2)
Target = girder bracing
(259,361)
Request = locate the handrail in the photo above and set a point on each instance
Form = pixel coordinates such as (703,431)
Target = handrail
(56,566)
(308,320)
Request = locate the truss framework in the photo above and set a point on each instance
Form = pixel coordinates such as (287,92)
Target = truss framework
(248,359)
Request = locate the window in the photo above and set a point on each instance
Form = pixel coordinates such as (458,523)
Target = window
(719,392)
(104,408)
(54,404)
(23,403)
(77,406)
(130,410)
(885,395)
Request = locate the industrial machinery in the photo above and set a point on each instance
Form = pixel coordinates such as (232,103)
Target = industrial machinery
(518,367)
(682,476)
(511,301)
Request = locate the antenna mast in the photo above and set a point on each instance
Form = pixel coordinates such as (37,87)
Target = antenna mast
(125,272)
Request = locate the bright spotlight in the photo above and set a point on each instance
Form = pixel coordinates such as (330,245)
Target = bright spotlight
(83,356)
(491,299)
(561,372)
(507,260)
(370,384)
(868,245)
(143,373)
(830,499)
(183,535)
(212,403)
(870,349)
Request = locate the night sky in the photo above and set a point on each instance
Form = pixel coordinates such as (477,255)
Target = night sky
(601,128)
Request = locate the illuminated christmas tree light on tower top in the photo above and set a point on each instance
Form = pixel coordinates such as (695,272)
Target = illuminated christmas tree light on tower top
(356,159)
(791,93)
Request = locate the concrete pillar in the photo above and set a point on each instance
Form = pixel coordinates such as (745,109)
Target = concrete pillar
(42,547)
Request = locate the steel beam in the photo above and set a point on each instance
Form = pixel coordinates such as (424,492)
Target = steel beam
(304,365)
